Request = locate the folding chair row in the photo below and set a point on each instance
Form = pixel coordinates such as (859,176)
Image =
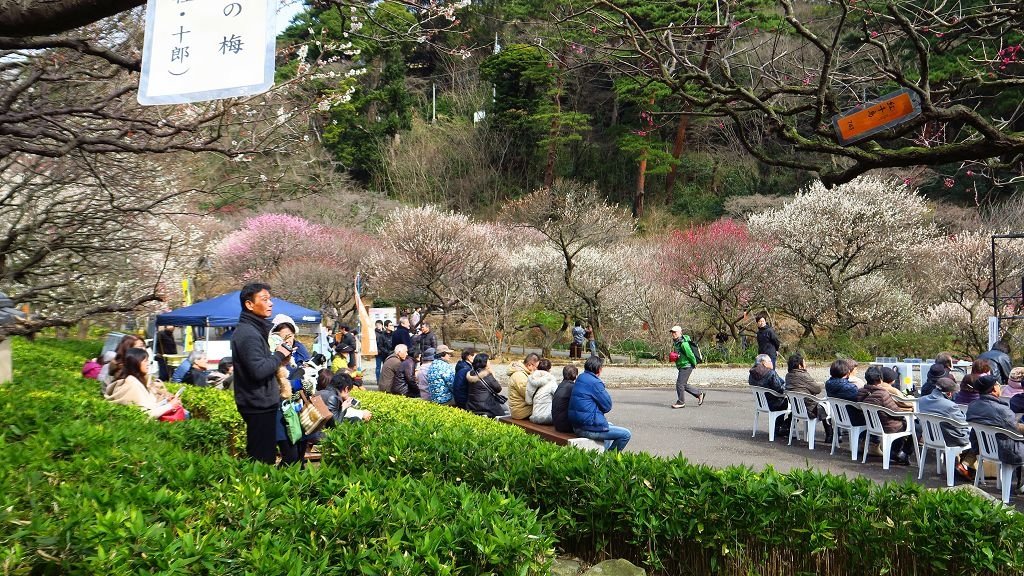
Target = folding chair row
(931,429)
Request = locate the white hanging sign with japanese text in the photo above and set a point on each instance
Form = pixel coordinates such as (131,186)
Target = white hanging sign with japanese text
(198,50)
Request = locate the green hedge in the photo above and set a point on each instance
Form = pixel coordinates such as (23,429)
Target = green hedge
(675,517)
(88,487)
(108,488)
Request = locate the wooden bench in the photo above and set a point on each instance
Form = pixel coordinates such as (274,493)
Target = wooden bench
(548,432)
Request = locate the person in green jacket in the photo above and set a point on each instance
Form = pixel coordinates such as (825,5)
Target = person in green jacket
(685,363)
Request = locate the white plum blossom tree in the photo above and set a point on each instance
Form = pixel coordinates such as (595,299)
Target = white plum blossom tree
(846,246)
(582,229)
(957,276)
(423,254)
(496,283)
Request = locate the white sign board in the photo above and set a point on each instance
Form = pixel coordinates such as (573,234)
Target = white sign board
(383,314)
(993,331)
(218,349)
(198,50)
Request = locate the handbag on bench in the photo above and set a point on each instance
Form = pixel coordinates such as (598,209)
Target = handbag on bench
(314,413)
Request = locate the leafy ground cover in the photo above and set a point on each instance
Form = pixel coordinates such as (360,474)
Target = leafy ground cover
(88,487)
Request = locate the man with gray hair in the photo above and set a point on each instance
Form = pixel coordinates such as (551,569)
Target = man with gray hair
(392,374)
(183,369)
(763,374)
(402,335)
(198,374)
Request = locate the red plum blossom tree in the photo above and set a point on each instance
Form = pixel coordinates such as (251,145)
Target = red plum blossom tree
(308,263)
(720,267)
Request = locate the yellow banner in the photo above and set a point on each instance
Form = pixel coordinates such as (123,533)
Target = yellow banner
(186,297)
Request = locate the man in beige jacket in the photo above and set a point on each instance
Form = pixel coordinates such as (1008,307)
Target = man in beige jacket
(518,375)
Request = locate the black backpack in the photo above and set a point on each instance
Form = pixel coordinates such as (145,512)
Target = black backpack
(695,348)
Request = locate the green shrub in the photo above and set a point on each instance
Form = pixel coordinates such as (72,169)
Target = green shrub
(218,407)
(676,517)
(426,489)
(90,487)
(865,348)
(636,349)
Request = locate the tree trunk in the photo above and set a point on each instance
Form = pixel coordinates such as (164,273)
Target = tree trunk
(638,195)
(21,19)
(549,169)
(677,152)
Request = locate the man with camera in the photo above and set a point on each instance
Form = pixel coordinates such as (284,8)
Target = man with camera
(257,395)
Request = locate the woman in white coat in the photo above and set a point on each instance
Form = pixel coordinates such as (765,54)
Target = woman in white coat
(131,388)
(540,389)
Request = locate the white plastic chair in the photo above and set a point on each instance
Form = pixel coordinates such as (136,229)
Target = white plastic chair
(885,439)
(798,406)
(761,405)
(934,440)
(841,421)
(988,449)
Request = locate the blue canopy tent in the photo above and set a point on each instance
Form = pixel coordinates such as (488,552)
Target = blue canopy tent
(224,311)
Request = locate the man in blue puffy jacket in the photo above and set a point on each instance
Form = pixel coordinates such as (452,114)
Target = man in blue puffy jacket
(588,405)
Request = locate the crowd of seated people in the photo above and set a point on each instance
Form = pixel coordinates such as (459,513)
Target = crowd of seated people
(940,395)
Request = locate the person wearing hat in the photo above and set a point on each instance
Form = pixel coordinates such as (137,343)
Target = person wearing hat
(942,368)
(990,410)
(685,361)
(283,326)
(345,344)
(441,376)
(875,393)
(426,361)
(1014,383)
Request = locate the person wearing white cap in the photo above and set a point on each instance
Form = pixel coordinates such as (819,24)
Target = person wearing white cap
(685,361)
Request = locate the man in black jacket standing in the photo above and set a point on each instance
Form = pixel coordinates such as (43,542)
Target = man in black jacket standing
(383,345)
(257,395)
(402,335)
(999,361)
(767,340)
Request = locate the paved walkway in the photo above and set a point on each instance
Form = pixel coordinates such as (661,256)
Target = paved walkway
(718,433)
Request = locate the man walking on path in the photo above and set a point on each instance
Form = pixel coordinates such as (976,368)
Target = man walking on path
(257,394)
(685,363)
(767,340)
